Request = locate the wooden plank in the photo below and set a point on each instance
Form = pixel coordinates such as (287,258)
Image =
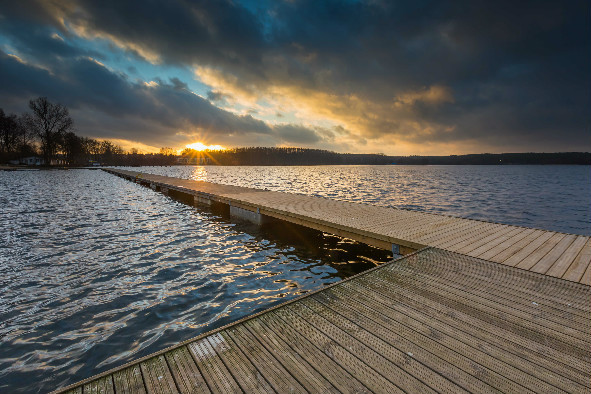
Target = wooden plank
(383,223)
(100,386)
(408,342)
(432,312)
(338,376)
(129,381)
(462,355)
(489,254)
(403,360)
(277,376)
(303,371)
(157,376)
(468,338)
(486,241)
(581,262)
(472,229)
(368,376)
(445,224)
(478,276)
(563,338)
(245,373)
(371,358)
(546,262)
(586,279)
(485,357)
(493,231)
(487,293)
(461,227)
(515,258)
(530,260)
(185,371)
(483,248)
(442,232)
(215,373)
(413,225)
(479,231)
(515,248)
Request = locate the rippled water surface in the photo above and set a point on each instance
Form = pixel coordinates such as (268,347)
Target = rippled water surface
(96,271)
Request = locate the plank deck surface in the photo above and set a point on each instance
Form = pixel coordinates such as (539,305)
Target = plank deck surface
(433,321)
(555,254)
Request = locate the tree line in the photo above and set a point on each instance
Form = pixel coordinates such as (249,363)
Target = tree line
(263,156)
(47,131)
(281,156)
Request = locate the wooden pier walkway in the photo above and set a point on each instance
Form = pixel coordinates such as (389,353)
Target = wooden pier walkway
(481,307)
(433,321)
(566,256)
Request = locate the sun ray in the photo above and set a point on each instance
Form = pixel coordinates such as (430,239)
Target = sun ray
(200,146)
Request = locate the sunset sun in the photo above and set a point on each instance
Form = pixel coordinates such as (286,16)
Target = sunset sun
(200,146)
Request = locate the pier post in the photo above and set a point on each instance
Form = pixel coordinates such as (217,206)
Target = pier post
(396,251)
(251,216)
(201,200)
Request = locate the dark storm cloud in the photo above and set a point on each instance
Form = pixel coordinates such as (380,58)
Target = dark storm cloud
(215,96)
(178,84)
(515,72)
(86,85)
(177,31)
(297,134)
(40,42)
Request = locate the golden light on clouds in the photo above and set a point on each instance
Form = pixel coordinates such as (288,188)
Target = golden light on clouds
(434,95)
(356,122)
(128,145)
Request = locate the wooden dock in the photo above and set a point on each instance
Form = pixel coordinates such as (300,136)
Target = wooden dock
(481,307)
(566,256)
(433,321)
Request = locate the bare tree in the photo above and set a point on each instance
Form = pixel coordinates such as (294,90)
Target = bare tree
(93,147)
(167,151)
(50,122)
(72,147)
(9,132)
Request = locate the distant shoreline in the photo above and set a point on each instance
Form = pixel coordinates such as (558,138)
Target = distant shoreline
(315,157)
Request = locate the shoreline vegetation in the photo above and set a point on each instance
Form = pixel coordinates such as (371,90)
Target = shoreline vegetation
(261,156)
(45,138)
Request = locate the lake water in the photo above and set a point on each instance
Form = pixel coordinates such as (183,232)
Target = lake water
(96,271)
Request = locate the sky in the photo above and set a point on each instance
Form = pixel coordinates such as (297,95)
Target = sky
(393,77)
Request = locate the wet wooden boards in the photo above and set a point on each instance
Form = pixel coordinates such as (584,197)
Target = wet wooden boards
(433,321)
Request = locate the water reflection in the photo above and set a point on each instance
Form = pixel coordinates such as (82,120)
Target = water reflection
(97,271)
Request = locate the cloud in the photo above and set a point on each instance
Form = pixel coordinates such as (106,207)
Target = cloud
(148,110)
(107,104)
(177,84)
(394,76)
(433,95)
(296,134)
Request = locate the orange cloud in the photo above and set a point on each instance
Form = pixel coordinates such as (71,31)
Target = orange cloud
(356,123)
(434,95)
(128,144)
